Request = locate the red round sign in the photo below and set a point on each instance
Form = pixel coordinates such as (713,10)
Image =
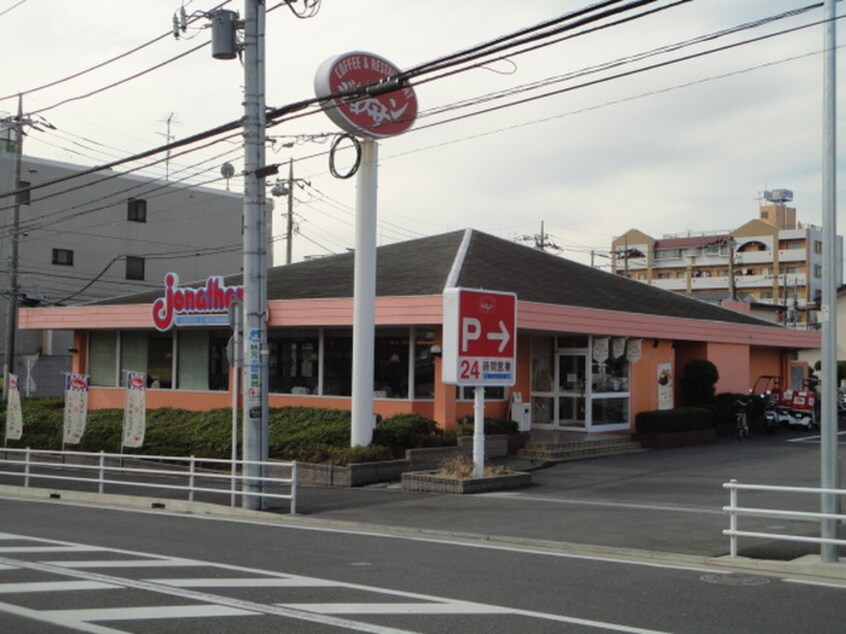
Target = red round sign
(375,116)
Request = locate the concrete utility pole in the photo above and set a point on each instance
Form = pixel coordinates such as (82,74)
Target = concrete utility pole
(255,266)
(12,314)
(828,430)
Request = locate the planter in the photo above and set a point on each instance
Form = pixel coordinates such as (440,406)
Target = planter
(431,482)
(669,440)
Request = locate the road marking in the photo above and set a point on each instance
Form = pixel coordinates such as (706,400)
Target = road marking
(823,584)
(45,549)
(128,563)
(142,614)
(646,506)
(246,582)
(53,586)
(218,605)
(36,615)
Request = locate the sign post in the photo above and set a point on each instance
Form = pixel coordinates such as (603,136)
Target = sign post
(479,349)
(383,109)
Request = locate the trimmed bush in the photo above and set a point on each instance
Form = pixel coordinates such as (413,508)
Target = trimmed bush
(674,420)
(407,431)
(493,426)
(698,382)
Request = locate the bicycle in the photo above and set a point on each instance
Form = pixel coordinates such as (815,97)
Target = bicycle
(741,419)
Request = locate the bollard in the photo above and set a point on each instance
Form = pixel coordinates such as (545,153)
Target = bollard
(733,518)
(101,482)
(191,480)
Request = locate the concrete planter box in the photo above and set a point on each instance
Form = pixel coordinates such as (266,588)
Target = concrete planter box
(430,482)
(670,440)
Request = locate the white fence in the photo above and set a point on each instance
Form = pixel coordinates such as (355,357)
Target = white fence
(735,512)
(191,475)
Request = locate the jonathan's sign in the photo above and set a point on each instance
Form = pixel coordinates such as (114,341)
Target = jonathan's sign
(479,343)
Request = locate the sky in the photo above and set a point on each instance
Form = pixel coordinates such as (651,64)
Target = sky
(685,147)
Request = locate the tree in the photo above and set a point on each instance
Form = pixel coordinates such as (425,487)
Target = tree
(698,383)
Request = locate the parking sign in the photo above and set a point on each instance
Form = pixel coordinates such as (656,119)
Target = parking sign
(480,337)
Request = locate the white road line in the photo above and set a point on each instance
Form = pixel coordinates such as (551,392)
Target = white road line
(246,582)
(53,586)
(152,612)
(128,563)
(449,607)
(646,506)
(46,549)
(5,567)
(36,615)
(823,584)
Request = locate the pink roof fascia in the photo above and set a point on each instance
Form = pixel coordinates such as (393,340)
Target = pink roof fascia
(419,310)
(534,316)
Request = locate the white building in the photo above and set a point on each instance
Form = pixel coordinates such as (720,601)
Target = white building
(101,235)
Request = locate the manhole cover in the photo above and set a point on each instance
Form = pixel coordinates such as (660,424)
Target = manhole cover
(735,580)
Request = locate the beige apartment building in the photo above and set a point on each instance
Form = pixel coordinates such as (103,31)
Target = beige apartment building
(772,263)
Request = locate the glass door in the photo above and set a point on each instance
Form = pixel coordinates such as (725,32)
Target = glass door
(572,373)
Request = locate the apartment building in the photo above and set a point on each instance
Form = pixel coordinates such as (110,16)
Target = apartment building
(772,262)
(91,236)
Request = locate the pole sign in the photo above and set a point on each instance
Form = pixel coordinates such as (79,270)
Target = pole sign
(376,114)
(480,337)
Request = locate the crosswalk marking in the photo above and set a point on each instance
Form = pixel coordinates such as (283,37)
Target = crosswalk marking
(153,612)
(447,607)
(53,586)
(246,582)
(46,549)
(128,563)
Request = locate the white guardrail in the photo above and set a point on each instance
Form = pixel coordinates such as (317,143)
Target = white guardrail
(736,511)
(191,475)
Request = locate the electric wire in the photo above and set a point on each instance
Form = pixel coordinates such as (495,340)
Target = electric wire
(14,6)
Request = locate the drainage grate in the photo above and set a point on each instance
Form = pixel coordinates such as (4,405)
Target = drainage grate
(735,580)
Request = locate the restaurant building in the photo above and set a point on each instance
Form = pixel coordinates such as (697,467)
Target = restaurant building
(593,348)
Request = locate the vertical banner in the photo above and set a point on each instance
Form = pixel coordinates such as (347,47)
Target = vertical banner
(14,417)
(76,408)
(633,350)
(618,347)
(135,411)
(665,386)
(601,349)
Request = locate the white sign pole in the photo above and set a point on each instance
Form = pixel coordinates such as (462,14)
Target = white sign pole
(364,299)
(479,432)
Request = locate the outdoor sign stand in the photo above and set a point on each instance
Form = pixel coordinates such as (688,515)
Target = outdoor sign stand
(380,109)
(479,349)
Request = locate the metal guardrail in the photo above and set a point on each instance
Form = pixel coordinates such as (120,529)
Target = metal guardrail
(113,469)
(736,511)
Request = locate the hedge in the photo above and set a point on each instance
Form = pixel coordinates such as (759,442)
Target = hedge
(674,420)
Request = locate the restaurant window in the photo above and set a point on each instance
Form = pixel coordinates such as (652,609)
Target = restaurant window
(390,367)
(492,393)
(424,365)
(192,360)
(23,192)
(133,353)
(102,357)
(160,360)
(218,362)
(136,210)
(294,362)
(337,363)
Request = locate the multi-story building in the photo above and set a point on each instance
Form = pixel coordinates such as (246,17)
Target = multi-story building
(90,236)
(772,261)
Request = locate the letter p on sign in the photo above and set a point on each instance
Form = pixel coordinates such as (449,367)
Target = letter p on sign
(471,329)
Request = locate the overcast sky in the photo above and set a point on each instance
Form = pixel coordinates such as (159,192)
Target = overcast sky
(686,147)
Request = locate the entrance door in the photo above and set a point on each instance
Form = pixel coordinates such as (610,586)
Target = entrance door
(572,373)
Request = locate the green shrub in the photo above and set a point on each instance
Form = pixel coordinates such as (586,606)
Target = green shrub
(407,431)
(493,426)
(674,420)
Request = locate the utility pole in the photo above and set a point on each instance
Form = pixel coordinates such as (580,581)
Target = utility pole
(287,189)
(829,476)
(12,314)
(168,138)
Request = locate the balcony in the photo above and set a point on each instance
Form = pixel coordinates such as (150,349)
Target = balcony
(708,283)
(754,257)
(675,284)
(792,255)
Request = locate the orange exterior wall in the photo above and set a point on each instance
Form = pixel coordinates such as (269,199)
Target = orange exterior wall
(643,378)
(766,361)
(733,363)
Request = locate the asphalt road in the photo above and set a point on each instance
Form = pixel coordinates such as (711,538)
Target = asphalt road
(144,572)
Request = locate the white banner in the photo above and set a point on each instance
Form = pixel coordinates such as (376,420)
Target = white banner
(600,349)
(14,417)
(633,350)
(618,347)
(135,412)
(665,386)
(76,408)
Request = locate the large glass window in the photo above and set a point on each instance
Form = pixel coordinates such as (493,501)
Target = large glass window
(294,362)
(160,360)
(133,353)
(193,360)
(102,357)
(337,362)
(390,367)
(218,361)
(424,365)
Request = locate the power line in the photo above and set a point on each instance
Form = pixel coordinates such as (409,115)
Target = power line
(14,6)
